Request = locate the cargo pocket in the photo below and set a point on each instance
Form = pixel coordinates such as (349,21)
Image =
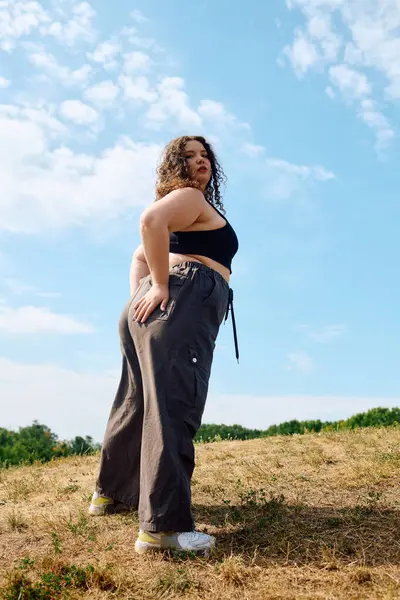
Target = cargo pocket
(209,283)
(215,300)
(200,378)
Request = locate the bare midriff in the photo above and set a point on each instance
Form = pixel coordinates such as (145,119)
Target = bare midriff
(176,259)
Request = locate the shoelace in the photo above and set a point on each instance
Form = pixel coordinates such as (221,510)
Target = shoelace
(195,537)
(230,308)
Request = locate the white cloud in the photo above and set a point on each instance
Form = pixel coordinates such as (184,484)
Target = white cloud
(78,25)
(283,179)
(373,46)
(354,85)
(303,172)
(69,77)
(321,174)
(36,320)
(326,334)
(46,188)
(172,102)
(374,30)
(301,362)
(137,89)
(21,289)
(329,91)
(37,115)
(378,122)
(320,30)
(23,18)
(19,19)
(138,16)
(253,150)
(329,333)
(4,82)
(145,43)
(103,93)
(302,54)
(216,111)
(106,54)
(168,102)
(349,81)
(78,112)
(137,61)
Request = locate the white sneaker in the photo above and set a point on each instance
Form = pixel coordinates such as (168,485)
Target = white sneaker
(103,505)
(189,541)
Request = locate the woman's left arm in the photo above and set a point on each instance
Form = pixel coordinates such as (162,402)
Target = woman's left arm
(139,268)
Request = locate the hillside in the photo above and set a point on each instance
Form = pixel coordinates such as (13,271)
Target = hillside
(302,517)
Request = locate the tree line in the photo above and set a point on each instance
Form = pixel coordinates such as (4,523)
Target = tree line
(38,443)
(375,417)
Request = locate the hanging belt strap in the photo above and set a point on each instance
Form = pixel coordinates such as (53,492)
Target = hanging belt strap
(230,308)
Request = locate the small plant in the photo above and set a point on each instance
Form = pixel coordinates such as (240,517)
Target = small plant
(317,457)
(52,586)
(233,571)
(56,543)
(25,563)
(173,581)
(18,490)
(182,555)
(82,527)
(110,546)
(329,558)
(258,498)
(389,457)
(70,489)
(16,522)
(19,587)
(362,576)
(76,576)
(373,497)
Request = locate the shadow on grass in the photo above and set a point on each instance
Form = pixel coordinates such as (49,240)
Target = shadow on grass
(287,534)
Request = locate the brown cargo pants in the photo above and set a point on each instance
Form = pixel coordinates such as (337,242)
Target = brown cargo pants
(147,458)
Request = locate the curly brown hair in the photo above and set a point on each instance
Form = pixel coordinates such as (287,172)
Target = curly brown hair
(173,172)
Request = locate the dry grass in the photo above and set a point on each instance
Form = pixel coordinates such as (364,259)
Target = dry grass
(303,517)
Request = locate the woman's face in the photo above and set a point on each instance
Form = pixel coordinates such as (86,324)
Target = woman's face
(198,163)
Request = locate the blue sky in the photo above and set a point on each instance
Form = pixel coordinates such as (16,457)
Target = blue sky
(301,100)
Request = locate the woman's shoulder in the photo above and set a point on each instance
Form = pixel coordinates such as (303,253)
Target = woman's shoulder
(184,195)
(186,191)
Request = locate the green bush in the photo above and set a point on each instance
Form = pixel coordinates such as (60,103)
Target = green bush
(38,443)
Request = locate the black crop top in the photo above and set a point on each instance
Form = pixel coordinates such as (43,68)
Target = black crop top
(220,244)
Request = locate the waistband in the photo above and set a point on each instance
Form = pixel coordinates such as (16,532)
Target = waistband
(202,267)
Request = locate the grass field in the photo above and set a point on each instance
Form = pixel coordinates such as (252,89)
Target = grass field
(312,516)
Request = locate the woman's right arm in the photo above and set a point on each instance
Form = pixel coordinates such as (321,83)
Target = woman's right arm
(139,268)
(175,212)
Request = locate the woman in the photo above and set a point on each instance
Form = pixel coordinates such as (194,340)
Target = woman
(179,297)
